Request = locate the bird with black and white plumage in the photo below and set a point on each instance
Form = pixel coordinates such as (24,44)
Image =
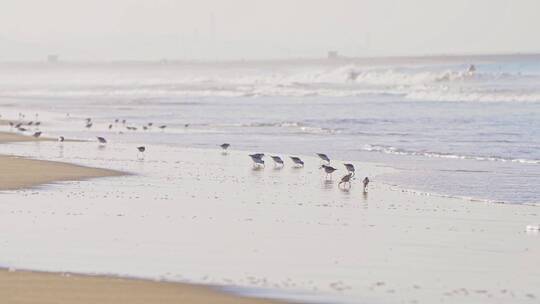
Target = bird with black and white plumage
(257,155)
(101,140)
(366,183)
(61,139)
(324,157)
(328,170)
(257,159)
(37,134)
(277,160)
(297,161)
(141,150)
(346,180)
(350,168)
(225,146)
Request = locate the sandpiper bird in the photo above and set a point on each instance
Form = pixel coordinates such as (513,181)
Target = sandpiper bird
(162,127)
(110,126)
(89,125)
(324,157)
(277,160)
(101,140)
(329,170)
(350,168)
(257,155)
(366,182)
(257,159)
(225,146)
(21,129)
(61,139)
(141,150)
(297,161)
(346,179)
(37,134)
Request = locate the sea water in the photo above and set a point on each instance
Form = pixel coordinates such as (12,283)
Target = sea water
(447,130)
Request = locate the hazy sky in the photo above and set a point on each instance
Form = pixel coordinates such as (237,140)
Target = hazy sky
(234,29)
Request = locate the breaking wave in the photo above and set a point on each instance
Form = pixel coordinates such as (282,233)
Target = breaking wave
(397,151)
(433,83)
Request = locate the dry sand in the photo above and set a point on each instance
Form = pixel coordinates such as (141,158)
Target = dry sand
(32,287)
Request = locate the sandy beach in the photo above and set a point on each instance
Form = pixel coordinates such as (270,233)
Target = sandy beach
(21,287)
(18,287)
(210,218)
(20,172)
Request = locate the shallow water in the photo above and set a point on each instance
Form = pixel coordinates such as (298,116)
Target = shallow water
(450,132)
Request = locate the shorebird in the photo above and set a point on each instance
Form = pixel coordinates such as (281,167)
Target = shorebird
(61,139)
(324,157)
(141,151)
(110,126)
(101,140)
(350,168)
(145,128)
(21,129)
(366,182)
(18,125)
(346,179)
(257,160)
(277,160)
(89,125)
(162,127)
(257,155)
(225,146)
(150,124)
(37,134)
(329,170)
(297,161)
(30,123)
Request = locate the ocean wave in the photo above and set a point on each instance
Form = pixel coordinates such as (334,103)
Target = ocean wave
(413,83)
(295,127)
(397,151)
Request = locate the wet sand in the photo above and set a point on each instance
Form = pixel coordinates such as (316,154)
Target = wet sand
(36,287)
(22,287)
(18,172)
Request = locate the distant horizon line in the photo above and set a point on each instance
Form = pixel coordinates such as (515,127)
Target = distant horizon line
(165,60)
